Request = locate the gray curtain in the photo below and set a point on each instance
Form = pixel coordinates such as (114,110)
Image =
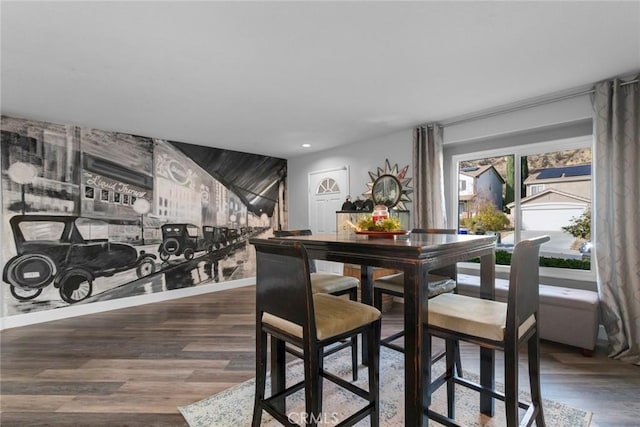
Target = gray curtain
(428,203)
(617,213)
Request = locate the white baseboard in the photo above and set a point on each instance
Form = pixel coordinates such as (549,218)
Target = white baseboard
(97,307)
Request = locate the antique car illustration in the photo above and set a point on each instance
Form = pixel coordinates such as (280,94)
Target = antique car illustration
(233,234)
(63,250)
(216,235)
(184,239)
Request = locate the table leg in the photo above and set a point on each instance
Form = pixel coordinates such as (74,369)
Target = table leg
(417,376)
(366,297)
(487,356)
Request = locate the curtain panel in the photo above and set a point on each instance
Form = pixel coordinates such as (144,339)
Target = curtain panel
(616,157)
(428,204)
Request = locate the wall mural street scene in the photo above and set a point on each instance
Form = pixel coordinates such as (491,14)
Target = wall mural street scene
(91,215)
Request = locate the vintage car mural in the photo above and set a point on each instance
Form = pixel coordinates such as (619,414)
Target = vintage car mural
(63,250)
(183,239)
(218,236)
(187,239)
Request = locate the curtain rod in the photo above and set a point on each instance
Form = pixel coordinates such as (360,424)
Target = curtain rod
(523,105)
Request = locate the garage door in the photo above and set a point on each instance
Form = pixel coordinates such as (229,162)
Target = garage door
(550,216)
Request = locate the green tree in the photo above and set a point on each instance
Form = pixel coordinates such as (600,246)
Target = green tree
(580,227)
(487,218)
(524,173)
(509,180)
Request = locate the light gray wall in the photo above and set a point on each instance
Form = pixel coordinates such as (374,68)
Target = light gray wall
(564,119)
(360,157)
(527,119)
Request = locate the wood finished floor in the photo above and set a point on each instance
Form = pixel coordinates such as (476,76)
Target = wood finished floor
(134,366)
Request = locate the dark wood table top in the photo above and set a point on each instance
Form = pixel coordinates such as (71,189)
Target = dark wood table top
(365,250)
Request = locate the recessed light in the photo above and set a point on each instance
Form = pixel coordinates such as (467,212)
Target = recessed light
(306,145)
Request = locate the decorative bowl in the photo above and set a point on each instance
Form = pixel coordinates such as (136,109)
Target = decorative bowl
(381,234)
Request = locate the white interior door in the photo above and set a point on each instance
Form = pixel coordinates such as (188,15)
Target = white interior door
(328,189)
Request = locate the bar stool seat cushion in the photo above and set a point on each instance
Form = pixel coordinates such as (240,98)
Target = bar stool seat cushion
(329,283)
(488,319)
(334,316)
(395,283)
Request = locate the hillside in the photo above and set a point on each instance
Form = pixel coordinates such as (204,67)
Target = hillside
(537,162)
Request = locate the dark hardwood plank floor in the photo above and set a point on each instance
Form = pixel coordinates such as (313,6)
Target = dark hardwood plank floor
(134,366)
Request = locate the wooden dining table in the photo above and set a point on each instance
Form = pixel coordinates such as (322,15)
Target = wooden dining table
(415,255)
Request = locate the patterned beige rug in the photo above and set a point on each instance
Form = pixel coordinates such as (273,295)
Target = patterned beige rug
(233,407)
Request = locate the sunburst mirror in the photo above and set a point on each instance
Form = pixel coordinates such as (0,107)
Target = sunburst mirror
(389,186)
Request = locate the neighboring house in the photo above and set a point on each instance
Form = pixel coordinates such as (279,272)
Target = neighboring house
(574,180)
(555,196)
(478,184)
(551,209)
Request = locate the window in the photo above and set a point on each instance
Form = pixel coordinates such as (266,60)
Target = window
(125,199)
(192,231)
(89,192)
(116,197)
(104,195)
(41,230)
(91,229)
(327,186)
(535,189)
(527,191)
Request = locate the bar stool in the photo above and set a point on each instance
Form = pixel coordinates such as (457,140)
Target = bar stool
(496,325)
(334,284)
(289,311)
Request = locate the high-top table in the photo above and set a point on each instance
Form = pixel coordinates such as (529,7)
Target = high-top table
(415,255)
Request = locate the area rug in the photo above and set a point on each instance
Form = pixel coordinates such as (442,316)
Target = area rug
(233,407)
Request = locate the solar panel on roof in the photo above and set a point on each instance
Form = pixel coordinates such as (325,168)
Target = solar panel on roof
(550,173)
(579,170)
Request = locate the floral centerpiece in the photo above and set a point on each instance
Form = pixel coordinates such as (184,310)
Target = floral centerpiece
(385,224)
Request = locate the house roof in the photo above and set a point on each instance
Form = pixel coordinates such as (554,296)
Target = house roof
(476,171)
(544,193)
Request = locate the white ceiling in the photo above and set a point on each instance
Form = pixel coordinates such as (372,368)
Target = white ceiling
(265,77)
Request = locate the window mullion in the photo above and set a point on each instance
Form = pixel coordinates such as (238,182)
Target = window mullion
(517,183)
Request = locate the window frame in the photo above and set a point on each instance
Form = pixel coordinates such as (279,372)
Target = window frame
(537,187)
(518,151)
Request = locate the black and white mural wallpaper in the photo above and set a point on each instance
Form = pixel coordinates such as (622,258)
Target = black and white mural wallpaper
(90,215)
